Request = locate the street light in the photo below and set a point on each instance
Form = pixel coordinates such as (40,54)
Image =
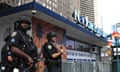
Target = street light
(116,35)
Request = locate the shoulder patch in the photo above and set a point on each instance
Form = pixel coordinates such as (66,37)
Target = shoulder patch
(13,34)
(12,40)
(49,47)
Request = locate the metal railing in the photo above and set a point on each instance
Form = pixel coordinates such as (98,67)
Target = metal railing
(77,67)
(115,66)
(86,67)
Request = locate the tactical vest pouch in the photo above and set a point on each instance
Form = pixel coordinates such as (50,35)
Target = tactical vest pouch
(31,48)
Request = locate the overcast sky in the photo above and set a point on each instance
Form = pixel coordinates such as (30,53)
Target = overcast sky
(110,13)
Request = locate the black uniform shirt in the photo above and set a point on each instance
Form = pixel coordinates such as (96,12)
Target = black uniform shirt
(48,50)
(15,39)
(24,42)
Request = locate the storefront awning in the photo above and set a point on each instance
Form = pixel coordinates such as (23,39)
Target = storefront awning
(72,29)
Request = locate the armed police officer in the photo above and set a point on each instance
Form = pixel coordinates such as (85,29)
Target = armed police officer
(6,57)
(24,52)
(52,53)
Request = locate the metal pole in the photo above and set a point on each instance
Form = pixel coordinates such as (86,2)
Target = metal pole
(117,54)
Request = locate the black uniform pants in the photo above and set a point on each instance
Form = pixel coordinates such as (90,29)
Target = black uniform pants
(6,69)
(54,68)
(20,68)
(26,69)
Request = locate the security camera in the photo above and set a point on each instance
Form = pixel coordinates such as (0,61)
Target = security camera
(34,12)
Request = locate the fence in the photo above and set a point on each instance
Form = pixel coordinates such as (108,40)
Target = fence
(104,67)
(115,66)
(86,67)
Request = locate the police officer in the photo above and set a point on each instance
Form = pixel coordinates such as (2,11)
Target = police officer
(6,57)
(22,47)
(52,54)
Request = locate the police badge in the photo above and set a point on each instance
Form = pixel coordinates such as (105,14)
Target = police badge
(49,47)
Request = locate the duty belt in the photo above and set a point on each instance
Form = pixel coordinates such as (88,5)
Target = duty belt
(54,61)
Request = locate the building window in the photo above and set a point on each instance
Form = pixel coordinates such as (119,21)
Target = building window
(47,1)
(50,7)
(55,5)
(55,0)
(47,6)
(70,44)
(50,2)
(61,13)
(44,4)
(80,46)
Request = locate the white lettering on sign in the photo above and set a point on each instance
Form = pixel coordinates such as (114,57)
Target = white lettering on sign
(79,19)
(76,15)
(80,56)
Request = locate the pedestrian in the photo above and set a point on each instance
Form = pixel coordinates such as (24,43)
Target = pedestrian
(52,53)
(23,50)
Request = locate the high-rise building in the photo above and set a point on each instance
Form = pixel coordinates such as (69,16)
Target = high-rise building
(14,3)
(83,45)
(89,8)
(9,2)
(98,13)
(62,7)
(116,27)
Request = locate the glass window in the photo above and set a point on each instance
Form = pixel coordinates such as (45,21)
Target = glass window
(61,13)
(44,4)
(118,29)
(47,6)
(80,46)
(50,7)
(55,5)
(55,0)
(115,51)
(50,2)
(47,1)
(77,45)
(70,44)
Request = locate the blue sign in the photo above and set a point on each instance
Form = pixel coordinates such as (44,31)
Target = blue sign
(83,21)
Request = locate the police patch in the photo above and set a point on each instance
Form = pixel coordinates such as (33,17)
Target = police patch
(49,47)
(3,67)
(13,40)
(13,34)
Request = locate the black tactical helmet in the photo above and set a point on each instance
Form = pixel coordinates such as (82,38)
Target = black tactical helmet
(22,19)
(50,35)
